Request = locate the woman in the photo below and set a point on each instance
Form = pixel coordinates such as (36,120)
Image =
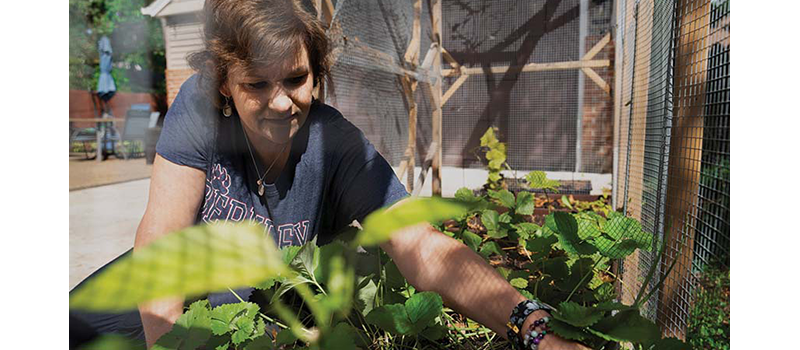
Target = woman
(245,140)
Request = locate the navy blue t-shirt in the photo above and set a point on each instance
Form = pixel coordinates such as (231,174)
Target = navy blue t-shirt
(333,174)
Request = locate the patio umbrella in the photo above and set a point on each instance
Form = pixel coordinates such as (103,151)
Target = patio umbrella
(105,84)
(105,90)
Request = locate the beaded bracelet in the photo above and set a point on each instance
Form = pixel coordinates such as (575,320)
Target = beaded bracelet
(533,337)
(517,318)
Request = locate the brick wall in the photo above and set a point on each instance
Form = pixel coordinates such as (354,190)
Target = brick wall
(597,139)
(84,104)
(175,78)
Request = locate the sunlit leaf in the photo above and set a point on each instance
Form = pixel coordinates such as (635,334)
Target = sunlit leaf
(490,219)
(189,262)
(519,283)
(379,226)
(505,198)
(539,180)
(526,203)
(472,240)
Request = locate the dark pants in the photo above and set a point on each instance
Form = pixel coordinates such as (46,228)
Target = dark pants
(85,326)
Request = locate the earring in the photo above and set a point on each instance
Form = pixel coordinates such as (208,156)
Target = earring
(226,109)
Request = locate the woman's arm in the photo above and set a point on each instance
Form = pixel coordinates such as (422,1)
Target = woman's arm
(175,195)
(432,261)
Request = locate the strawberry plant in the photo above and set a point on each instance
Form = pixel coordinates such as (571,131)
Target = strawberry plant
(348,294)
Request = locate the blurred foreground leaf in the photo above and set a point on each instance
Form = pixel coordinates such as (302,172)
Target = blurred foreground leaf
(190,262)
(379,226)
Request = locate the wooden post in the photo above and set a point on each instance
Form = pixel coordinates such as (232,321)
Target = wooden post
(436,89)
(686,146)
(410,87)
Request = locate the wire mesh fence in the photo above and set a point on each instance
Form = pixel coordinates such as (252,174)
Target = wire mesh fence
(674,145)
(552,119)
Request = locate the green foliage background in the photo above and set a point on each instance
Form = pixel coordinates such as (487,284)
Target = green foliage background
(123,22)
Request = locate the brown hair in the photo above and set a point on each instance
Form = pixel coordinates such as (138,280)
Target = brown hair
(251,32)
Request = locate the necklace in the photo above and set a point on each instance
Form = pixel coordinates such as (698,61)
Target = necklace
(260,181)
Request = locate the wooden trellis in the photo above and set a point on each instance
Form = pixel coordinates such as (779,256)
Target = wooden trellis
(410,73)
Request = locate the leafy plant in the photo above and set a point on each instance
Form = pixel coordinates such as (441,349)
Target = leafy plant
(710,316)
(496,156)
(349,294)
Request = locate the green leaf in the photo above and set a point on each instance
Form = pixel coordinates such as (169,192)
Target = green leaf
(587,229)
(394,278)
(391,318)
(489,139)
(379,226)
(503,271)
(499,233)
(422,308)
(538,179)
(526,203)
(365,295)
(327,252)
(567,228)
(615,251)
(225,316)
(505,198)
(116,342)
(567,225)
(504,218)
(566,202)
(671,344)
(244,329)
(221,342)
(341,337)
(490,248)
(472,240)
(566,330)
(184,263)
(434,332)
(285,337)
(577,315)
(519,283)
(526,230)
(466,195)
(340,284)
(628,325)
(191,330)
(260,343)
(540,247)
(490,220)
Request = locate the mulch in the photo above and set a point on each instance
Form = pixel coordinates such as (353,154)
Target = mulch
(88,173)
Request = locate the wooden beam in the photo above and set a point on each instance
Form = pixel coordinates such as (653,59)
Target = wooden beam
(426,165)
(449,58)
(597,79)
(533,67)
(685,154)
(597,47)
(436,90)
(453,88)
(412,51)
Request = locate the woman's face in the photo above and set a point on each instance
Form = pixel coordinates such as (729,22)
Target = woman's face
(272,101)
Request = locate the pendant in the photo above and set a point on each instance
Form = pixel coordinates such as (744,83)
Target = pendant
(260,188)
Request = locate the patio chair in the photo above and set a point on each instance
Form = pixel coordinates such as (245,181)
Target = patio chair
(137,121)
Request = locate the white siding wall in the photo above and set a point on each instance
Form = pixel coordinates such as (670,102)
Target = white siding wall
(183,35)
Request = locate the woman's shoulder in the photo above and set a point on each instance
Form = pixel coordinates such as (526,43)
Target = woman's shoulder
(331,121)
